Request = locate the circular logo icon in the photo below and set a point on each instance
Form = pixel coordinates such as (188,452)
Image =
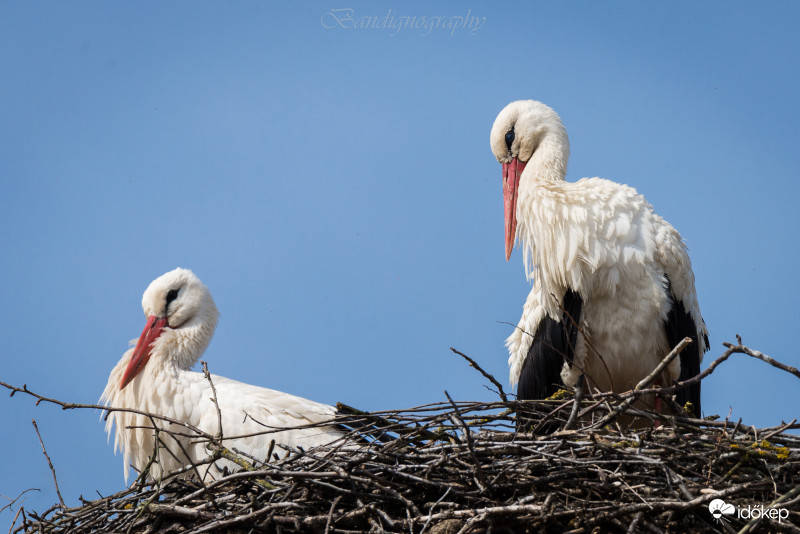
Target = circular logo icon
(718,508)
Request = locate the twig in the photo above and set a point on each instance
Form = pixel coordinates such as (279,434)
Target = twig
(14,522)
(488,376)
(780,429)
(468,438)
(18,497)
(330,513)
(214,399)
(108,409)
(52,469)
(433,507)
(761,356)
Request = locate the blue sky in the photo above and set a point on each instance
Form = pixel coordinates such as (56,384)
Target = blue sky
(334,188)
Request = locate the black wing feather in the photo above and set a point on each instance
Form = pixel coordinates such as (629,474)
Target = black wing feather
(678,326)
(553,343)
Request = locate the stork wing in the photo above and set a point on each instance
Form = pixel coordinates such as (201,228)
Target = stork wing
(541,344)
(248,409)
(683,319)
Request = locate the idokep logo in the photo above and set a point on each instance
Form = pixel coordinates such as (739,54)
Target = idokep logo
(719,509)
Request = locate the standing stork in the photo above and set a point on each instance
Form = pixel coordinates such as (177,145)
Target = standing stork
(155,377)
(613,288)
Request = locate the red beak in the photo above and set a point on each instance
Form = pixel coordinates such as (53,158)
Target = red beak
(141,354)
(511,174)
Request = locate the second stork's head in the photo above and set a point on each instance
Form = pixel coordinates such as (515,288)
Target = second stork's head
(527,135)
(181,318)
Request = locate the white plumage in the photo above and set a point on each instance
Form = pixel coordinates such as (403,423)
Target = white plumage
(597,249)
(155,377)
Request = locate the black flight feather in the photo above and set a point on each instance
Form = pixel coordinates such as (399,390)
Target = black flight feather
(678,326)
(553,344)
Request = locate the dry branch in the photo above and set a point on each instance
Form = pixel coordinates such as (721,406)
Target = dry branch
(50,464)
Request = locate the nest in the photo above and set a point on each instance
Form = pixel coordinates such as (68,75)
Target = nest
(558,465)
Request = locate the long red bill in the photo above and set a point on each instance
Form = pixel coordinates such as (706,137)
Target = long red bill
(511,174)
(141,354)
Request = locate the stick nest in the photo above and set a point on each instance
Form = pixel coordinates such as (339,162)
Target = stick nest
(506,466)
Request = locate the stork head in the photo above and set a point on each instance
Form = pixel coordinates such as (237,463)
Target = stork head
(181,318)
(527,131)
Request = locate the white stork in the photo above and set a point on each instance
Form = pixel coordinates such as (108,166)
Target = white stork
(613,288)
(155,377)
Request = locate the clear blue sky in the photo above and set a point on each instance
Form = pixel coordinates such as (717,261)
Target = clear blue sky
(334,188)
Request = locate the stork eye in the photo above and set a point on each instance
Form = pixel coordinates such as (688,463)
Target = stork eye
(172,295)
(510,138)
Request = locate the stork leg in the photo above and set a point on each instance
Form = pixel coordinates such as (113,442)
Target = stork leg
(657,403)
